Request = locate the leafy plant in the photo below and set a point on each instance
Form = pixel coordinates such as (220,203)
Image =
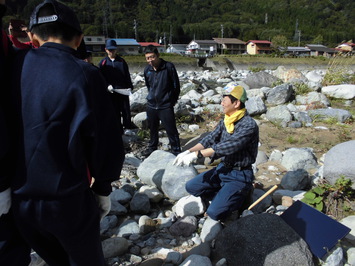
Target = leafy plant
(333,200)
(315,198)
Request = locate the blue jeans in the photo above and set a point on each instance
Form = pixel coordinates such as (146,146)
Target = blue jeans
(226,187)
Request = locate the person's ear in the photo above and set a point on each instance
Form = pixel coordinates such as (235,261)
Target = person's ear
(36,41)
(237,104)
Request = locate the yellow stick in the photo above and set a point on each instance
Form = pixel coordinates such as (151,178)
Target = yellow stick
(263,196)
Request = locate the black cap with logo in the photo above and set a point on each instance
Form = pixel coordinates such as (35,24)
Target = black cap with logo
(62,14)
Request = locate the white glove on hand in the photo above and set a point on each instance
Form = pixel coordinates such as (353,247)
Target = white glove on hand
(5,201)
(187,159)
(126,92)
(104,205)
(179,157)
(110,88)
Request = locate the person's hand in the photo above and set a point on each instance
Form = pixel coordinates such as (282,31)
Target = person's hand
(104,205)
(110,88)
(5,201)
(187,159)
(179,157)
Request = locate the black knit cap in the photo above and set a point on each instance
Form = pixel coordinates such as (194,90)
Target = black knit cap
(62,14)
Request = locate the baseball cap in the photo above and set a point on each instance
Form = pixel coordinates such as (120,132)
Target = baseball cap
(236,91)
(62,13)
(111,45)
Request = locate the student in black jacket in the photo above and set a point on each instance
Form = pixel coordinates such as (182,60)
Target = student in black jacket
(163,92)
(116,72)
(69,134)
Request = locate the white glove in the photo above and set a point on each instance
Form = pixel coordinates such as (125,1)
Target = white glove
(104,205)
(188,159)
(110,88)
(179,157)
(123,91)
(5,201)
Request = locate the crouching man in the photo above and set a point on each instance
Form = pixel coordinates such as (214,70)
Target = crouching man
(235,140)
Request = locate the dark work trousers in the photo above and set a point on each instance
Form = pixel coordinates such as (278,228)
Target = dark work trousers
(227,188)
(14,251)
(167,118)
(125,111)
(122,109)
(62,231)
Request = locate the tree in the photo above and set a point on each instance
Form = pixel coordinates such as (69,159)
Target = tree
(280,43)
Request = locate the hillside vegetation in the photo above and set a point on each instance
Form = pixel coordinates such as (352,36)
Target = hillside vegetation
(327,22)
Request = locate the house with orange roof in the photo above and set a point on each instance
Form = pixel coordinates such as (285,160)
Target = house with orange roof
(258,47)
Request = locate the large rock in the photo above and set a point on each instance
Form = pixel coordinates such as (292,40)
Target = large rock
(174,179)
(152,169)
(138,100)
(280,94)
(296,180)
(255,106)
(113,247)
(341,91)
(312,97)
(325,114)
(262,239)
(299,158)
(260,79)
(339,161)
(279,115)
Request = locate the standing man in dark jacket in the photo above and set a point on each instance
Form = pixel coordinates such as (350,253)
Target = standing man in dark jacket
(69,133)
(163,92)
(116,72)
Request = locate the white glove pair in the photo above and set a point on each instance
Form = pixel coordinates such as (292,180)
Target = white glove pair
(185,158)
(104,205)
(5,201)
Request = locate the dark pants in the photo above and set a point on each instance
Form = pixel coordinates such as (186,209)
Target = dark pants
(14,250)
(122,109)
(227,188)
(62,231)
(167,118)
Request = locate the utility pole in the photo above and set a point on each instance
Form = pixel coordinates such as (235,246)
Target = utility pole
(171,35)
(222,32)
(299,38)
(135,30)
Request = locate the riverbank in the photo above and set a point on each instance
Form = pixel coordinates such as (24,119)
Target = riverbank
(239,62)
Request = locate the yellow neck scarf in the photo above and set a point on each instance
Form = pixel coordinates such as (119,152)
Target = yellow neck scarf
(229,120)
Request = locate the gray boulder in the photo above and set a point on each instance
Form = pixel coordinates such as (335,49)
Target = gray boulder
(174,179)
(280,94)
(339,161)
(152,169)
(241,243)
(255,106)
(115,246)
(341,91)
(324,114)
(140,203)
(260,79)
(279,115)
(296,180)
(299,158)
(138,100)
(312,97)
(141,120)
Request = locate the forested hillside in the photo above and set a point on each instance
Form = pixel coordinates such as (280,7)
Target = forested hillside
(327,22)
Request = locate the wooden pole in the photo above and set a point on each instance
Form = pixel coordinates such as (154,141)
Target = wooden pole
(263,196)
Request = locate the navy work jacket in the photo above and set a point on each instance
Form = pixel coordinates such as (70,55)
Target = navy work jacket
(69,128)
(163,85)
(116,72)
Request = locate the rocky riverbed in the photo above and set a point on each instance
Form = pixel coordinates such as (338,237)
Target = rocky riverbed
(306,137)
